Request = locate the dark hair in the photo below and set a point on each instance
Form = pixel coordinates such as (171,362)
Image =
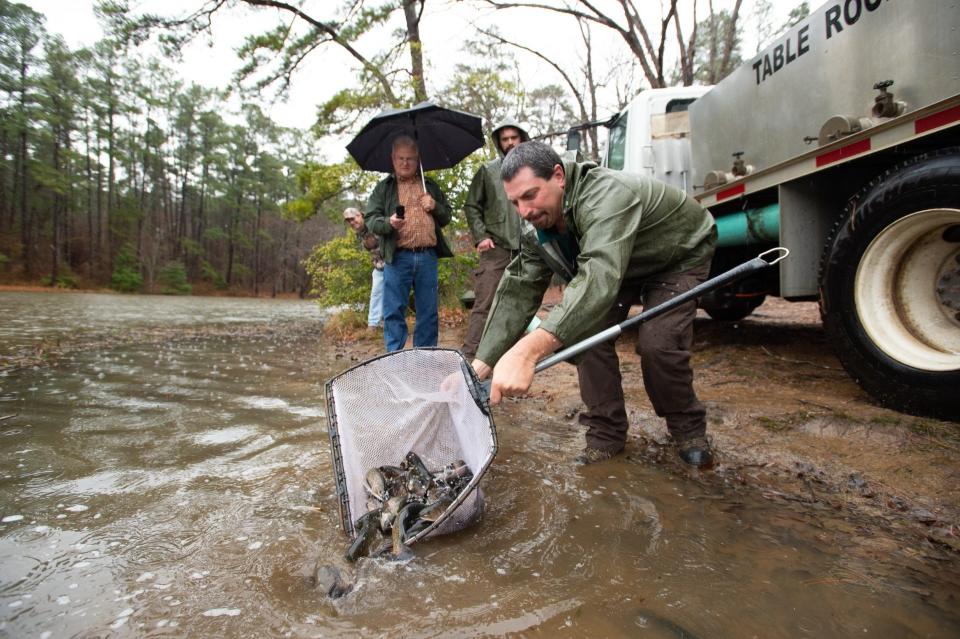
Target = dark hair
(539,157)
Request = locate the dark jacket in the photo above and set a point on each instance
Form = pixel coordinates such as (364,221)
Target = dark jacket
(621,229)
(489,214)
(383,202)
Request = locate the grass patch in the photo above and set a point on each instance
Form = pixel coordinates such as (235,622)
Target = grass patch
(785,422)
(942,433)
(774,425)
(349,325)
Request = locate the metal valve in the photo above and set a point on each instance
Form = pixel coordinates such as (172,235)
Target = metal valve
(739,166)
(884,106)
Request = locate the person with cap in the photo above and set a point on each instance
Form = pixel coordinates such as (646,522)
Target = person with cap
(495,228)
(369,241)
(408,212)
(618,239)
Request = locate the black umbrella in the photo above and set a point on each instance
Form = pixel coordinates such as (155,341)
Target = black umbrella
(444,136)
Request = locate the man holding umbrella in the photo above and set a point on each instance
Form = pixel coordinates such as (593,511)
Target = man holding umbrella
(408,211)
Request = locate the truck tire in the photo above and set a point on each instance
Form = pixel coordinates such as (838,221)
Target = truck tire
(890,286)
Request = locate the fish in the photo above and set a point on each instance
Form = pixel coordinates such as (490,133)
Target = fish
(405,518)
(432,512)
(389,512)
(376,484)
(329,580)
(402,502)
(367,529)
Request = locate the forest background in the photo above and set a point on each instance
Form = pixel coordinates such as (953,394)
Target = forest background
(116,171)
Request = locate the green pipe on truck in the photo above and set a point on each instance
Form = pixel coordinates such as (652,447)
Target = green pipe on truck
(752,226)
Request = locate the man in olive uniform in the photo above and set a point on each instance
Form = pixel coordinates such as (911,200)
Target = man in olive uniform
(618,239)
(495,228)
(411,242)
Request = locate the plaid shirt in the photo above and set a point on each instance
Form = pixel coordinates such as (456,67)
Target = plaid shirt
(418,231)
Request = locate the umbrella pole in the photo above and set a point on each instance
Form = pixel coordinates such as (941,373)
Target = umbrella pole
(423,180)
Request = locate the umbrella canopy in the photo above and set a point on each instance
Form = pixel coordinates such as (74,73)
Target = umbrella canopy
(445,137)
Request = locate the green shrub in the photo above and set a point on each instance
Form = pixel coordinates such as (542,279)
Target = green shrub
(173,279)
(454,275)
(212,275)
(64,280)
(126,276)
(339,272)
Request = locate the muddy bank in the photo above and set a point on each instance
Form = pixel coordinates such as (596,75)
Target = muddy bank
(787,422)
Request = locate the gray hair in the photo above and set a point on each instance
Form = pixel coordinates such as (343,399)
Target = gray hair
(405,141)
(537,156)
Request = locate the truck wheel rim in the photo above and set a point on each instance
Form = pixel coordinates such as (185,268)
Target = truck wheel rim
(907,290)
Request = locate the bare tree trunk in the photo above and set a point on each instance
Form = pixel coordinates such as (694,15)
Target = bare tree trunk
(6,206)
(730,40)
(55,243)
(98,237)
(182,223)
(688,50)
(111,176)
(714,36)
(231,236)
(68,201)
(26,223)
(593,149)
(91,239)
(416,47)
(256,247)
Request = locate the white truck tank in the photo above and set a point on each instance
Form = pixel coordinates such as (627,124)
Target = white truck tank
(774,107)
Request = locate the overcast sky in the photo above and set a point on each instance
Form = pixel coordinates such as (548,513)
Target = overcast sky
(445,26)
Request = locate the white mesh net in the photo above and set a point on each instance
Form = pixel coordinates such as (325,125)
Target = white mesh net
(415,400)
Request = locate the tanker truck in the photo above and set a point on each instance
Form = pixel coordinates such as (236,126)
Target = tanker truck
(841,142)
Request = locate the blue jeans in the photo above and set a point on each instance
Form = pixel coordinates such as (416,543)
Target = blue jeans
(419,270)
(375,313)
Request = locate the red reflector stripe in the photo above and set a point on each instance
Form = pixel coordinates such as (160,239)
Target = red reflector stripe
(844,152)
(732,191)
(937,120)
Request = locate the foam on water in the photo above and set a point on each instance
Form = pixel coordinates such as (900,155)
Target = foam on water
(222,612)
(266,403)
(275,403)
(229,435)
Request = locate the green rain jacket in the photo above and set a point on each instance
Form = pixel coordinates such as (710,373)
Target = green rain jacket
(488,212)
(383,202)
(622,228)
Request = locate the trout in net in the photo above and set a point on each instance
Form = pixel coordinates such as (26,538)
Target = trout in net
(403,501)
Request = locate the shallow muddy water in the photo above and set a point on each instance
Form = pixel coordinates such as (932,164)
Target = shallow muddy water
(182,487)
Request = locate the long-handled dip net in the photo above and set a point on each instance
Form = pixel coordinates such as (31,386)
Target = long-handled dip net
(411,433)
(411,437)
